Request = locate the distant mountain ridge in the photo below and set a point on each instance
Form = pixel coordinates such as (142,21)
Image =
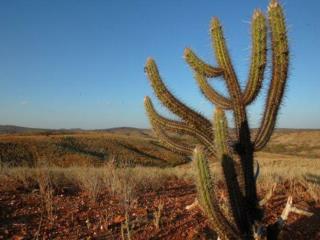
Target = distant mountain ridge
(8,129)
(12,129)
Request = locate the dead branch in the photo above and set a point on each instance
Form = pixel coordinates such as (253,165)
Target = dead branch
(193,205)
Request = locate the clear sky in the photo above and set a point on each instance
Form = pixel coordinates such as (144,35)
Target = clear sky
(77,63)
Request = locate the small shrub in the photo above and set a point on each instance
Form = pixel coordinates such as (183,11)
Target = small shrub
(46,191)
(89,181)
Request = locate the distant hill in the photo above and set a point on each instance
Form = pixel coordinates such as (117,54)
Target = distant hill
(129,131)
(10,129)
(65,147)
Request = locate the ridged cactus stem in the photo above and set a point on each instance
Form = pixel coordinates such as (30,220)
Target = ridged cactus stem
(200,66)
(224,155)
(211,94)
(207,198)
(245,150)
(243,147)
(175,146)
(224,61)
(258,57)
(221,133)
(173,104)
(177,126)
(280,62)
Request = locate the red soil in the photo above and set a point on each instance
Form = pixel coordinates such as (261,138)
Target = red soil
(75,217)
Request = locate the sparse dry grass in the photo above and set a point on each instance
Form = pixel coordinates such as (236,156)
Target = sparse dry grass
(92,179)
(127,180)
(301,143)
(89,180)
(77,163)
(43,180)
(280,168)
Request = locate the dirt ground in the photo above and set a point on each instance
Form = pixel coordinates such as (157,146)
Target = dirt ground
(76,217)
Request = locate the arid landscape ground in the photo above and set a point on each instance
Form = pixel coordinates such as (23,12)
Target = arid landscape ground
(120,184)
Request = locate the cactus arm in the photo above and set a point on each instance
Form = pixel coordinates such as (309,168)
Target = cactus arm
(203,71)
(213,96)
(228,165)
(207,198)
(244,146)
(200,66)
(280,61)
(258,57)
(192,117)
(177,126)
(172,144)
(224,61)
(221,133)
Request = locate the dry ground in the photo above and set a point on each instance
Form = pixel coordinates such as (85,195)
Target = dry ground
(104,200)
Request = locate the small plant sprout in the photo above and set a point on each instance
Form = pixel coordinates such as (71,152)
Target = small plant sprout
(157,215)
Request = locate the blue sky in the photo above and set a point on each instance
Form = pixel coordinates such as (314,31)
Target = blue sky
(77,63)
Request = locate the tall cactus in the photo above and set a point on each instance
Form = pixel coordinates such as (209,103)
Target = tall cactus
(214,143)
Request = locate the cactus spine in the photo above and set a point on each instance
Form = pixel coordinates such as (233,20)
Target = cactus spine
(234,155)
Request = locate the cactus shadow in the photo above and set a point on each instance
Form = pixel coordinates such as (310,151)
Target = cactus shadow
(307,227)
